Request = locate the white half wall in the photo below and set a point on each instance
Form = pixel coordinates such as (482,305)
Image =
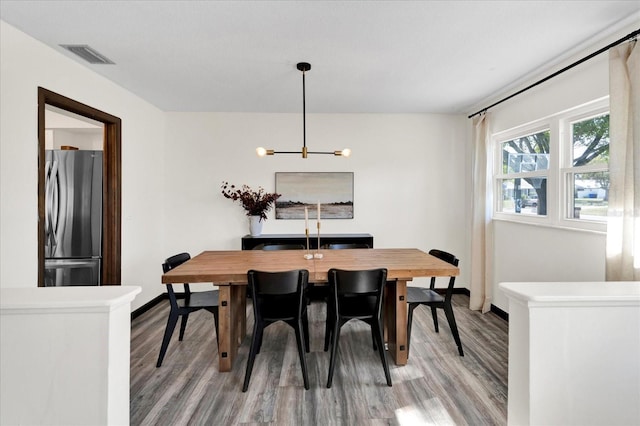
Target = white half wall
(573,353)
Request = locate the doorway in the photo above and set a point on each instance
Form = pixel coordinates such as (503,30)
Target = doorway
(111,187)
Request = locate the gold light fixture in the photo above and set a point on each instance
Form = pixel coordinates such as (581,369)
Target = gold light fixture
(304,67)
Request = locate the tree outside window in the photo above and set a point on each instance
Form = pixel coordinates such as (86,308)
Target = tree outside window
(525,165)
(588,174)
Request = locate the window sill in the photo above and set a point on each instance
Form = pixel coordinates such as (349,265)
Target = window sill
(589,227)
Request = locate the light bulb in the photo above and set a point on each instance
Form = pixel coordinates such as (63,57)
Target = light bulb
(346,152)
(261,151)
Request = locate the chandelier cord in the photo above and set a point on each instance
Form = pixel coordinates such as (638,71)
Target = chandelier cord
(304,112)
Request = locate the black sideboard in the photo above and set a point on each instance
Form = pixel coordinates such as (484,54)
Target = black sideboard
(249,242)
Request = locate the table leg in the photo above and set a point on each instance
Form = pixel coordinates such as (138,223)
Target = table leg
(396,320)
(240,309)
(232,323)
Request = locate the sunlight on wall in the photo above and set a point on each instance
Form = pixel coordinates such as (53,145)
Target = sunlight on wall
(614,227)
(635,243)
(616,239)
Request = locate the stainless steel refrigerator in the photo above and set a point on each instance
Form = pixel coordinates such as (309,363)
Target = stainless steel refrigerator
(73,217)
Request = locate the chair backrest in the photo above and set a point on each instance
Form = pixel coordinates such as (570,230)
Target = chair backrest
(449,258)
(279,247)
(175,261)
(340,246)
(278,295)
(366,284)
(358,282)
(169,264)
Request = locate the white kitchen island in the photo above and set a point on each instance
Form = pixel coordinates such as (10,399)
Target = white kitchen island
(64,355)
(574,353)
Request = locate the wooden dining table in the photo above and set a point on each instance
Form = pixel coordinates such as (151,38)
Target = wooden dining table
(228,270)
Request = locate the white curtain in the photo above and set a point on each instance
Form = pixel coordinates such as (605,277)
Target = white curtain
(481,227)
(623,229)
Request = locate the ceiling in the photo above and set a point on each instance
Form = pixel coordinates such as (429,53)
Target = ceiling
(366,56)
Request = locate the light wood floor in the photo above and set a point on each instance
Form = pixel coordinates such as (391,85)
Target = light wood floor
(436,387)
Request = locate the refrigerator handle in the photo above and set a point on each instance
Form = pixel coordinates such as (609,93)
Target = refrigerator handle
(47,182)
(53,192)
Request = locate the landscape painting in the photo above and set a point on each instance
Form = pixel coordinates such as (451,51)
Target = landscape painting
(333,190)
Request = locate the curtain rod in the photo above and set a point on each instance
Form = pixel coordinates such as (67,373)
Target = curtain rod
(568,67)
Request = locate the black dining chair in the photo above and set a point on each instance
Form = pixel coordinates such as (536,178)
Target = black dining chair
(192,301)
(355,295)
(417,296)
(320,292)
(274,247)
(279,296)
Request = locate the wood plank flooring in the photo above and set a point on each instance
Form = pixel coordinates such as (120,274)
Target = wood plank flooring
(436,387)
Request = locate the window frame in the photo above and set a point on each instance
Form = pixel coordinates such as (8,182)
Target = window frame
(560,169)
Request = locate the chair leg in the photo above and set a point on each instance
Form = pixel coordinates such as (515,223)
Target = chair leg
(376,327)
(434,314)
(215,318)
(412,306)
(448,310)
(305,327)
(168,332)
(263,326)
(301,337)
(334,350)
(183,326)
(255,342)
(328,330)
(373,339)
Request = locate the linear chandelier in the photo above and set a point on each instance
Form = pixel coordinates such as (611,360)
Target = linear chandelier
(304,67)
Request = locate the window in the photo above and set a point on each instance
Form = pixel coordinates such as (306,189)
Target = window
(555,171)
(523,181)
(587,172)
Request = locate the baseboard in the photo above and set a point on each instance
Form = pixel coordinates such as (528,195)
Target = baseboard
(499,312)
(461,290)
(144,308)
(153,302)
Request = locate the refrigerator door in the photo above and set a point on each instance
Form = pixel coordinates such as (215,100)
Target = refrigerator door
(70,272)
(73,200)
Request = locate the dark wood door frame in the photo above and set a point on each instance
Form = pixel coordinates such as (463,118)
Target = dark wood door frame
(111,187)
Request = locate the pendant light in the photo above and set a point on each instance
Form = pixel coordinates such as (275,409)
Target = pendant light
(303,67)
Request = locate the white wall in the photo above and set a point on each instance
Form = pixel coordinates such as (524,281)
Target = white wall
(411,171)
(544,254)
(81,139)
(534,253)
(410,176)
(26,64)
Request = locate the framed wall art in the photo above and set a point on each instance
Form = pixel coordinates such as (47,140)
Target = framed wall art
(333,190)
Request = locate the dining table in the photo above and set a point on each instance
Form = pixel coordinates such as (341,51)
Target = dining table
(228,269)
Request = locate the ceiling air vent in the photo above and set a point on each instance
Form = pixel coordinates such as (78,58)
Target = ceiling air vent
(87,53)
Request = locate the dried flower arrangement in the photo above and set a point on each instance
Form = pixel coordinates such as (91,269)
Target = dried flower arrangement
(256,203)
